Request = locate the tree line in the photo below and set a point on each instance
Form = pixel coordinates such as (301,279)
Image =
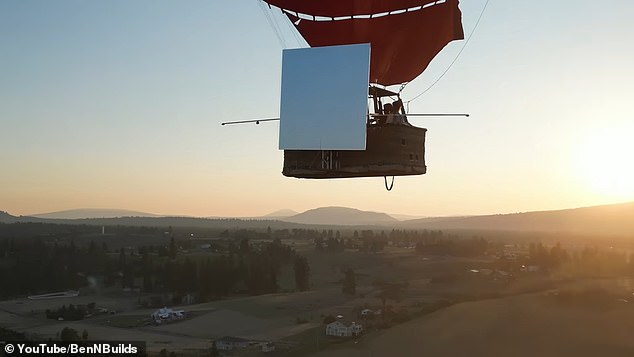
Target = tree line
(33,266)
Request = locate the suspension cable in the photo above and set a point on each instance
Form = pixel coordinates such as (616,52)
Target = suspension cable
(293,30)
(271,22)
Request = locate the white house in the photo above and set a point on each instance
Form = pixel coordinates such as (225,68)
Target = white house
(166,314)
(340,329)
(337,328)
(355,329)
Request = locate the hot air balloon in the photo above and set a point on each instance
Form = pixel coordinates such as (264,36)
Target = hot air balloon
(403,36)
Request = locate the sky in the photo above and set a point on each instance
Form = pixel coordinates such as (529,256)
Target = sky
(118,104)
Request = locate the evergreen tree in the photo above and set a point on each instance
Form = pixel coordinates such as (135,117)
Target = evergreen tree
(214,350)
(69,334)
(302,273)
(172,249)
(349,282)
(245,247)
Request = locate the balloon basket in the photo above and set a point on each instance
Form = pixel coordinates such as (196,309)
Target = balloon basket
(391,150)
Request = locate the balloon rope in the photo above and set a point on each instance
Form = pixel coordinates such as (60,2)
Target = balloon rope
(272,23)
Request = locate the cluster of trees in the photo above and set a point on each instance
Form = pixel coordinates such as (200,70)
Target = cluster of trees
(436,243)
(69,334)
(551,258)
(41,265)
(326,240)
(302,273)
(426,241)
(247,268)
(367,241)
(303,233)
(10,335)
(72,313)
(295,233)
(329,245)
(31,229)
(371,242)
(409,238)
(591,261)
(349,285)
(32,266)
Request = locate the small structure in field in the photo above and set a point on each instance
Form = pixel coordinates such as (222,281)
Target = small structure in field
(56,295)
(268,347)
(166,314)
(228,343)
(340,329)
(529,268)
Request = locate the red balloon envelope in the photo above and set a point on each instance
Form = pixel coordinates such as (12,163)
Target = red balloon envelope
(405,35)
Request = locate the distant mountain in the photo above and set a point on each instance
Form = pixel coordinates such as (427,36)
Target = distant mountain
(341,216)
(283,213)
(92,213)
(615,219)
(7,218)
(137,221)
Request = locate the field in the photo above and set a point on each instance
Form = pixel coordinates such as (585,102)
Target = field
(442,306)
(283,317)
(537,324)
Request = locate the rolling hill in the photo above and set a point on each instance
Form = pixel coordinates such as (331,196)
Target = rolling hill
(7,218)
(343,216)
(283,213)
(82,213)
(615,219)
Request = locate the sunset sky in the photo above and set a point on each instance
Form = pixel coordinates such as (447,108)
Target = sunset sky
(118,104)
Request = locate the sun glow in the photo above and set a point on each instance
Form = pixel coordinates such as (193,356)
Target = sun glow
(607,163)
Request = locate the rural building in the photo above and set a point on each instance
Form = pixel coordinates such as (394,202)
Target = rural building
(165,314)
(529,268)
(268,347)
(228,343)
(340,329)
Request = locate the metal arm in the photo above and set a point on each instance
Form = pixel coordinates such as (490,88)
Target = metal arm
(257,121)
(429,115)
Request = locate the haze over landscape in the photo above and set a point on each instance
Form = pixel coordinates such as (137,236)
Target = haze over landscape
(606,220)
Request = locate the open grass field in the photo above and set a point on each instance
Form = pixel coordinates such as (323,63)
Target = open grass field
(538,324)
